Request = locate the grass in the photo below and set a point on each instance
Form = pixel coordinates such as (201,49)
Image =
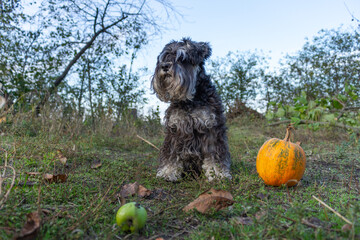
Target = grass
(84,206)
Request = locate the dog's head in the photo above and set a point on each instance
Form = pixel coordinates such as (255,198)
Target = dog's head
(177,68)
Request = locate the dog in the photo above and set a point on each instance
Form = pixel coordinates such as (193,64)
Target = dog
(195,132)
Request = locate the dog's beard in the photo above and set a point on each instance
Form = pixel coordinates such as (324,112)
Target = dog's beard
(178,84)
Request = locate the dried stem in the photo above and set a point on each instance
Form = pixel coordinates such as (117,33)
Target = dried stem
(331,209)
(289,128)
(148,142)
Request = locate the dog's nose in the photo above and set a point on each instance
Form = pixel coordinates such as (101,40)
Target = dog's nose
(166,66)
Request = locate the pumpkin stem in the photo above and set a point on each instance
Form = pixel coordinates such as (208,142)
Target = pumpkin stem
(289,128)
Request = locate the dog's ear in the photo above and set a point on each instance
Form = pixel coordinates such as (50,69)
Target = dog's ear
(204,50)
(196,52)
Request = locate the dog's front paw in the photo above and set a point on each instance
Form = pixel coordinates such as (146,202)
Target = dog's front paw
(212,173)
(169,173)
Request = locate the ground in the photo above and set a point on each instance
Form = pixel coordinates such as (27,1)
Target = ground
(83,206)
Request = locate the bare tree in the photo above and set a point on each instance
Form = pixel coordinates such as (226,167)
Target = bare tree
(120,23)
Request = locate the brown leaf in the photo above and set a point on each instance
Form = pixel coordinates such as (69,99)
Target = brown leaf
(143,192)
(31,227)
(3,119)
(57,178)
(347,227)
(134,188)
(129,189)
(96,164)
(61,157)
(32,173)
(48,176)
(242,220)
(217,199)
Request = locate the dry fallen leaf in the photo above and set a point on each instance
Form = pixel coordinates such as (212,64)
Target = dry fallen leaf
(61,157)
(129,189)
(217,199)
(347,227)
(96,164)
(242,220)
(57,178)
(2,119)
(143,192)
(134,188)
(32,173)
(31,227)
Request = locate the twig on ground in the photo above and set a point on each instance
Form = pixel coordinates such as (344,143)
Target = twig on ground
(331,209)
(148,142)
(309,224)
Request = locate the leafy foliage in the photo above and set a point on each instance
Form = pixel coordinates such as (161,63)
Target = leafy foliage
(318,85)
(324,66)
(82,51)
(329,110)
(238,75)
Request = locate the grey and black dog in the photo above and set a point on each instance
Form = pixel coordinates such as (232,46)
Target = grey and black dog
(195,139)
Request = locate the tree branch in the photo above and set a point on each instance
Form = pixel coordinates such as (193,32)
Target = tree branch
(95,20)
(104,13)
(60,78)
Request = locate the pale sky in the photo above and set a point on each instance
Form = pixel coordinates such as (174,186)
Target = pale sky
(276,26)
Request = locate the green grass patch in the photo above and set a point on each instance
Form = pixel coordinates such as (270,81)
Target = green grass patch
(84,206)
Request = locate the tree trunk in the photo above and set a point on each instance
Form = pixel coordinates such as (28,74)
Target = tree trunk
(81,112)
(90,97)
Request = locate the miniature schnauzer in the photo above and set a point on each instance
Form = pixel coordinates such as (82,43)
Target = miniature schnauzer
(195,131)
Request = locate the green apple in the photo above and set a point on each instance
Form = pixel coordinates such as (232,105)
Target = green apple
(131,217)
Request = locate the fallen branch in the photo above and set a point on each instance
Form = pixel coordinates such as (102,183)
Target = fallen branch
(331,209)
(148,142)
(321,123)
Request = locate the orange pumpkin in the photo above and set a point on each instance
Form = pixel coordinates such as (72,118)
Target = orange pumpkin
(281,161)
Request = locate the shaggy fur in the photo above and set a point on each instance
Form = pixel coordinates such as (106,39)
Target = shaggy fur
(195,139)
